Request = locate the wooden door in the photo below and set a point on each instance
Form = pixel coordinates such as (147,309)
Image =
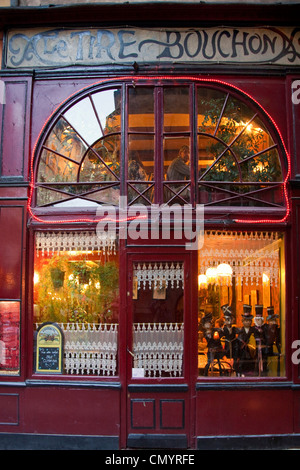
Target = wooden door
(158,372)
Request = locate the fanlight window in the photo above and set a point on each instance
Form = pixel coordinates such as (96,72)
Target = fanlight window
(164,144)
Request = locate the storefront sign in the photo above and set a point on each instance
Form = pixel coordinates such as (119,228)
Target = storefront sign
(49,349)
(64,47)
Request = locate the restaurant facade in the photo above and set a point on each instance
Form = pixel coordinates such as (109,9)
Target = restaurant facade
(149,208)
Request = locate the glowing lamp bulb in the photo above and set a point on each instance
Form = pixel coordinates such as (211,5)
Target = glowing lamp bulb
(202,281)
(224,270)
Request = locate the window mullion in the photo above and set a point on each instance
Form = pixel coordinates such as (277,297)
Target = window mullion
(124,139)
(158,174)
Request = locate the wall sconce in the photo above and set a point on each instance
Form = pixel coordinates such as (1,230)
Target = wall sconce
(211,275)
(224,273)
(224,270)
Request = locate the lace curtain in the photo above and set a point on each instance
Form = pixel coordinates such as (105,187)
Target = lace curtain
(51,242)
(158,348)
(90,348)
(156,275)
(250,255)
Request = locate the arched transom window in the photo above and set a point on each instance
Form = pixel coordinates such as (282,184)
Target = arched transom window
(168,142)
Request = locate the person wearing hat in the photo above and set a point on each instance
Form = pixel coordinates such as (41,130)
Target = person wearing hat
(229,335)
(214,345)
(272,334)
(260,338)
(246,352)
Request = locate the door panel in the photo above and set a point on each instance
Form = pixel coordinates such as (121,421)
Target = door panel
(157,354)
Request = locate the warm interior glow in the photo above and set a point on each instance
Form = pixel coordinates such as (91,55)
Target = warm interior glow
(211,275)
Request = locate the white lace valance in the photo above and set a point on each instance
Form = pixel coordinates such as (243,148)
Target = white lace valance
(51,242)
(251,255)
(159,274)
(158,348)
(257,236)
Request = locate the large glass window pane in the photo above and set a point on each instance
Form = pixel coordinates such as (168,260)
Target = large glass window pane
(210,103)
(102,161)
(241,296)
(177,159)
(140,176)
(177,170)
(54,168)
(83,146)
(76,285)
(9,338)
(107,106)
(89,129)
(176,109)
(158,313)
(141,109)
(64,141)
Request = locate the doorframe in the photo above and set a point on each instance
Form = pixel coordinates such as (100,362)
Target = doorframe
(190,371)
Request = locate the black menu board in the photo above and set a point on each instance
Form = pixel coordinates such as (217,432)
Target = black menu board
(49,349)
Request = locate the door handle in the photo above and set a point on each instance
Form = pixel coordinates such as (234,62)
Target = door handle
(131,353)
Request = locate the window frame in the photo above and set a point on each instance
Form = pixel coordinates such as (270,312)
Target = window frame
(281,212)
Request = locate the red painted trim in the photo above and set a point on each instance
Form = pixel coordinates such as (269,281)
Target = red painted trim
(167,77)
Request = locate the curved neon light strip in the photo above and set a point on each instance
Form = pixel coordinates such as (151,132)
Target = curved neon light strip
(166,77)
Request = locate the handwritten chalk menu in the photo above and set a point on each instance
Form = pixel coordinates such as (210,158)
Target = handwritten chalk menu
(49,349)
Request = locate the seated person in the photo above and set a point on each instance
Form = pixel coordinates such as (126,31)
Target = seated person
(179,169)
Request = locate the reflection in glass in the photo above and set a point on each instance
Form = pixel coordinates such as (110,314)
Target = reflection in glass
(102,161)
(252,140)
(47,196)
(233,145)
(54,168)
(82,118)
(64,140)
(108,108)
(225,169)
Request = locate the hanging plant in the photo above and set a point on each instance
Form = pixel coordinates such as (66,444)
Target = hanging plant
(57,277)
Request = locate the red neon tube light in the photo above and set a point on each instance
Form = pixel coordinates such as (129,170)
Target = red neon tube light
(167,77)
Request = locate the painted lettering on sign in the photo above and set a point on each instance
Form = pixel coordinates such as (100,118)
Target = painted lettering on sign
(58,47)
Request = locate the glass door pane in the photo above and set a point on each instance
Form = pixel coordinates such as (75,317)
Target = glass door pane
(158,320)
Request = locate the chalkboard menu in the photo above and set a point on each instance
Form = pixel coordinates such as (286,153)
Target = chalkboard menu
(49,349)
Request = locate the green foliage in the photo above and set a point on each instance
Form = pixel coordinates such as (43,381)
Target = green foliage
(250,140)
(88,293)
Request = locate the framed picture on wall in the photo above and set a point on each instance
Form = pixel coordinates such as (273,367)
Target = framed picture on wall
(160,291)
